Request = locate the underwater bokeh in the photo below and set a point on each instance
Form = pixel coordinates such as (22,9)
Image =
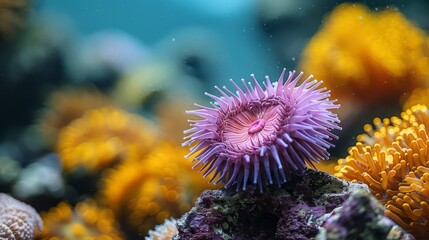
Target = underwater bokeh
(94,98)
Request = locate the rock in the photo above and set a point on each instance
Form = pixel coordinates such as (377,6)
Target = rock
(361,217)
(295,210)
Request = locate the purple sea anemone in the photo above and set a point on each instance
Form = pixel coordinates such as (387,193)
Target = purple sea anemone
(259,135)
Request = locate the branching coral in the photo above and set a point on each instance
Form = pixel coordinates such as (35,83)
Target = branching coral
(85,221)
(102,136)
(261,136)
(18,221)
(370,56)
(159,186)
(393,161)
(66,105)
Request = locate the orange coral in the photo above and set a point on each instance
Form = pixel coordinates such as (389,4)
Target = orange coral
(393,161)
(410,207)
(102,136)
(159,186)
(85,221)
(370,56)
(387,130)
(66,105)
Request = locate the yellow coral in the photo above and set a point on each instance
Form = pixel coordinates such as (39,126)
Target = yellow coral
(160,186)
(393,161)
(85,221)
(102,136)
(370,56)
(66,105)
(386,130)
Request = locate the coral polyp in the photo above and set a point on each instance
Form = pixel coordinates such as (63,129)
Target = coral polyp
(392,160)
(410,207)
(263,136)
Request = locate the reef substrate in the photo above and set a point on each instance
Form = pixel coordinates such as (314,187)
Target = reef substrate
(298,209)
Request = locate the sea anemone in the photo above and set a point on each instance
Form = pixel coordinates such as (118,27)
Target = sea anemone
(64,106)
(159,186)
(360,52)
(410,207)
(18,220)
(392,161)
(85,221)
(165,231)
(256,133)
(103,136)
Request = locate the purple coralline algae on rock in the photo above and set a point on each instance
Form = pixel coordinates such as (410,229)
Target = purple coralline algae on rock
(295,211)
(361,217)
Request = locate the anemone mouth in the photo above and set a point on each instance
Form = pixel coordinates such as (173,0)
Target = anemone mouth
(259,123)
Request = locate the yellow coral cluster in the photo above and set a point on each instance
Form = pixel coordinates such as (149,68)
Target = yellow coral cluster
(104,136)
(160,186)
(393,160)
(64,106)
(85,221)
(367,55)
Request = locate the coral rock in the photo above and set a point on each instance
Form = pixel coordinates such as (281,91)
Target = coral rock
(361,217)
(294,211)
(18,221)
